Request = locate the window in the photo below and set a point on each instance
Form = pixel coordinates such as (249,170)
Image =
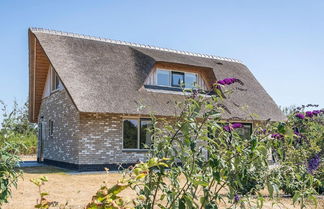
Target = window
(177,79)
(246,131)
(50,127)
(55,81)
(190,80)
(136,134)
(163,77)
(145,135)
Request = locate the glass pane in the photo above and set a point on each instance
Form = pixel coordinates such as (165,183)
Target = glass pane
(145,135)
(177,79)
(130,134)
(53,80)
(246,131)
(190,80)
(163,77)
(57,81)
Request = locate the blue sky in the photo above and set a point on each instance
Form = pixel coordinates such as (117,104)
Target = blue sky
(282,42)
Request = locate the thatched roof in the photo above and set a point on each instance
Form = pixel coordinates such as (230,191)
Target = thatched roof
(105,76)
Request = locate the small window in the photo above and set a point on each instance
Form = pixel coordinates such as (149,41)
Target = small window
(163,77)
(50,127)
(177,79)
(136,133)
(55,81)
(246,131)
(190,80)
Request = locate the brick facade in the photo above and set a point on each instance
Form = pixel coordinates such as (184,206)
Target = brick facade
(83,141)
(63,145)
(82,138)
(101,140)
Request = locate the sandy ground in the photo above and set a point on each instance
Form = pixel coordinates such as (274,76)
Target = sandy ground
(76,188)
(28,158)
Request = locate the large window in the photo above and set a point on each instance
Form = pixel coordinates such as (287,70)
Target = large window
(175,78)
(136,133)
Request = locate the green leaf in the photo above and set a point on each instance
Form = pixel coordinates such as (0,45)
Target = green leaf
(296,197)
(200,183)
(182,204)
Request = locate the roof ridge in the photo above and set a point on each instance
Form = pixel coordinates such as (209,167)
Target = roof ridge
(76,35)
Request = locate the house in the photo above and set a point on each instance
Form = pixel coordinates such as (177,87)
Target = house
(84,93)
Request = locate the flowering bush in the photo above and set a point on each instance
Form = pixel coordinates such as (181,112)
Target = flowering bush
(299,152)
(197,162)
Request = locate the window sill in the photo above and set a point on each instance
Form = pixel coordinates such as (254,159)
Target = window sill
(135,150)
(54,91)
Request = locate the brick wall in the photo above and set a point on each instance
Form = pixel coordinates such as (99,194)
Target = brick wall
(82,138)
(63,145)
(101,140)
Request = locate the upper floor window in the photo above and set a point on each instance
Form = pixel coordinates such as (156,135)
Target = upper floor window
(55,81)
(163,78)
(175,78)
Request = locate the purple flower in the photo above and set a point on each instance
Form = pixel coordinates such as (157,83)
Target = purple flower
(277,136)
(263,131)
(237,125)
(227,128)
(236,198)
(316,112)
(232,126)
(227,81)
(300,115)
(309,114)
(313,163)
(221,82)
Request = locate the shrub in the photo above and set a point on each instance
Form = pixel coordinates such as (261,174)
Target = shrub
(299,148)
(320,176)
(9,160)
(214,161)
(26,144)
(17,129)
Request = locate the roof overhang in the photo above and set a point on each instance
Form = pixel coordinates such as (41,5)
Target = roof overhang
(38,69)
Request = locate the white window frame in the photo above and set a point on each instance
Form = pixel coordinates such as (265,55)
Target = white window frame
(138,133)
(170,77)
(53,80)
